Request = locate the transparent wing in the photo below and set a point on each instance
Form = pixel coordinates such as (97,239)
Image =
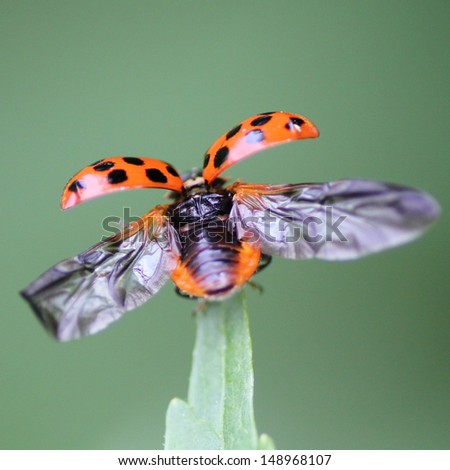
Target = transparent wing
(338,220)
(84,294)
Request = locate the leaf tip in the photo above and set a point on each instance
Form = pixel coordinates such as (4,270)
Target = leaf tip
(265,443)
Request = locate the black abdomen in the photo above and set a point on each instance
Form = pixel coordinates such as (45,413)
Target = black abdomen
(210,253)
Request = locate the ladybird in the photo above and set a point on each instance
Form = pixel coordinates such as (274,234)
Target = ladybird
(211,238)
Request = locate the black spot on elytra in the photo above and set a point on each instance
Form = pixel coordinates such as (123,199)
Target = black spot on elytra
(155,175)
(133,161)
(233,131)
(117,176)
(103,166)
(254,136)
(294,123)
(206,160)
(170,169)
(261,120)
(271,112)
(76,185)
(221,156)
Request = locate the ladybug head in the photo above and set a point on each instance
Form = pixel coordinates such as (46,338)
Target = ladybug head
(194,183)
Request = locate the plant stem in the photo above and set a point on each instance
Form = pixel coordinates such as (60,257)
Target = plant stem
(219,412)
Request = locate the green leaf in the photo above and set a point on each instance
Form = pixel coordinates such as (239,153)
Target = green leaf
(185,431)
(265,443)
(219,412)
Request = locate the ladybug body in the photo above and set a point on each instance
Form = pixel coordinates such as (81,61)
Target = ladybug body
(212,239)
(213,261)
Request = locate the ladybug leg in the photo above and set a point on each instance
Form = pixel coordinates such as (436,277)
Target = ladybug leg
(264,261)
(183,294)
(256,286)
(201,306)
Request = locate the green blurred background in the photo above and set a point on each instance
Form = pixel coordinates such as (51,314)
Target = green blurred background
(347,355)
